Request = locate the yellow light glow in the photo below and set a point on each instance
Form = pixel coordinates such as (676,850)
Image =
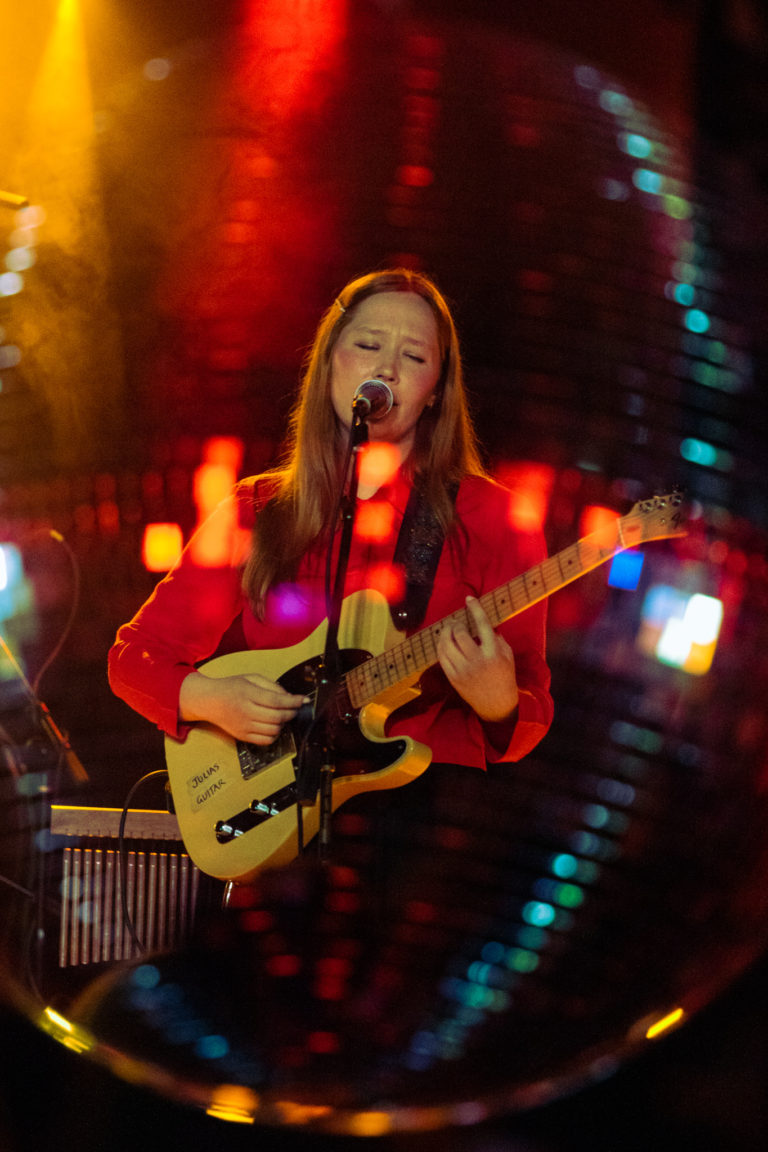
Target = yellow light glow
(59,152)
(233,1115)
(234,1103)
(371,1124)
(699,658)
(58,1021)
(68,11)
(77,1043)
(665,1023)
(161,546)
(52,159)
(213,482)
(65,1032)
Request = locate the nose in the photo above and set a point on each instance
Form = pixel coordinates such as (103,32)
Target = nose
(386,370)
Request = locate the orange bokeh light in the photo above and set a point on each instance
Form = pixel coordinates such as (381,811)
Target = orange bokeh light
(212,545)
(530,485)
(596,518)
(379,463)
(600,523)
(374,519)
(388,580)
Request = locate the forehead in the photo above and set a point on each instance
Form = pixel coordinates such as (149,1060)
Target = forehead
(405,312)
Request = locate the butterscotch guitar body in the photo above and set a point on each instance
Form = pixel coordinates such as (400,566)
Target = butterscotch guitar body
(236,802)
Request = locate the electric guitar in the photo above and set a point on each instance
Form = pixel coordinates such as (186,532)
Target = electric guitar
(236,803)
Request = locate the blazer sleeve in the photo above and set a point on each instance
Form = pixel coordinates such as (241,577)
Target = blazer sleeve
(183,620)
(510,552)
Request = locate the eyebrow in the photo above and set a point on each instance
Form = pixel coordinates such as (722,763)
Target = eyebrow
(383,332)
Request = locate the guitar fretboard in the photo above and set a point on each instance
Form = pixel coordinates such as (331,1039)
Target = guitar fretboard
(406,660)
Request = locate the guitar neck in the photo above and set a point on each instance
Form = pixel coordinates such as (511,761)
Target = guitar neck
(652,520)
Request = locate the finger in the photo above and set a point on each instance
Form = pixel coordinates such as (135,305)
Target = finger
(279,716)
(283,699)
(272,694)
(262,732)
(485,632)
(449,646)
(261,741)
(460,644)
(266,728)
(460,633)
(265,682)
(458,657)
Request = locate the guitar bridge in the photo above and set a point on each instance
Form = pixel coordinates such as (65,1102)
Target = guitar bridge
(253,758)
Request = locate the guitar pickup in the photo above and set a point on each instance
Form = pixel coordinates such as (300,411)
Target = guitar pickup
(226,832)
(263,806)
(256,813)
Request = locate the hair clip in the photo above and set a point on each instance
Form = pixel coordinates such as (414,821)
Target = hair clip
(341,306)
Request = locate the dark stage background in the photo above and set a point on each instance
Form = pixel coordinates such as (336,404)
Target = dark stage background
(588,183)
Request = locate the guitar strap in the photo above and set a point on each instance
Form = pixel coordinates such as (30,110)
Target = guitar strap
(417,553)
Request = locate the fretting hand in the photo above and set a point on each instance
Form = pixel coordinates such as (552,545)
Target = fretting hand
(481,670)
(251,708)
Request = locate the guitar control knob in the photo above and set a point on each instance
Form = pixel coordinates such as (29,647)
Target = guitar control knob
(225,832)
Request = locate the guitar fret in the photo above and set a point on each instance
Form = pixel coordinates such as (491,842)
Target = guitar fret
(518,597)
(408,657)
(573,555)
(550,573)
(420,639)
(496,605)
(538,581)
(595,554)
(371,675)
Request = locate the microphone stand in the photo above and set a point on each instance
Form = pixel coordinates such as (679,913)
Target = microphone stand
(12,756)
(315,762)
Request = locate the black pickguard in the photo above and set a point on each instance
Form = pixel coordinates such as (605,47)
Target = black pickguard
(339,726)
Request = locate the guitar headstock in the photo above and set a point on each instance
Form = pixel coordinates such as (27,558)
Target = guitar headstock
(657,518)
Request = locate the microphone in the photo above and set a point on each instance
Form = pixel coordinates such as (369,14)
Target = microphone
(372,400)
